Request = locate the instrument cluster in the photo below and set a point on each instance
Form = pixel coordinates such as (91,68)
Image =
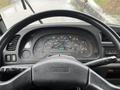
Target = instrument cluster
(79,45)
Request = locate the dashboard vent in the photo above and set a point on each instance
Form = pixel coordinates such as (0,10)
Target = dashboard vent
(106,39)
(13,43)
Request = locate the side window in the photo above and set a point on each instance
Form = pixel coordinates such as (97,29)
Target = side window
(4,3)
(2,26)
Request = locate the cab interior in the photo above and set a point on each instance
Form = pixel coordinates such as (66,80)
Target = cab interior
(60,56)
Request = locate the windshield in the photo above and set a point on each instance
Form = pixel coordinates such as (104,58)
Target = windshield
(13,11)
(106,10)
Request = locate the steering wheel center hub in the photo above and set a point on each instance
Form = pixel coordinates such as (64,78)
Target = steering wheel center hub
(60,70)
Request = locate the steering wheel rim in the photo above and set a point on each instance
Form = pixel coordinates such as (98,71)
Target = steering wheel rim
(98,24)
(66,13)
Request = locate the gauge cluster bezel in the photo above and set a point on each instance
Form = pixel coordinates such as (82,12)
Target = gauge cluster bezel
(46,29)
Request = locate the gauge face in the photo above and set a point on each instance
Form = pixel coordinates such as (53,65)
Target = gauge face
(78,46)
(26,54)
(59,43)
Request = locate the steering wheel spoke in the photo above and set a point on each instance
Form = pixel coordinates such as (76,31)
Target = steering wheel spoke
(18,82)
(57,70)
(96,82)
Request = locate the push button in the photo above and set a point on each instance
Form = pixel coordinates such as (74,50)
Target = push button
(13,58)
(8,58)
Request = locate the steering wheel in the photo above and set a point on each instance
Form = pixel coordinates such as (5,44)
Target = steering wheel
(59,70)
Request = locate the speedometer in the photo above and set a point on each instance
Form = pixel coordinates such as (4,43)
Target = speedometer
(61,44)
(56,43)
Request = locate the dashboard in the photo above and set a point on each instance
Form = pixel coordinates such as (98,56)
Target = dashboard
(34,44)
(83,42)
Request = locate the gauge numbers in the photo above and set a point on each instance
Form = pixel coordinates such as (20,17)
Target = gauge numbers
(70,44)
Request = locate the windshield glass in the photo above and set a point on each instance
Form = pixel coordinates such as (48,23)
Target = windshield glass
(13,11)
(106,10)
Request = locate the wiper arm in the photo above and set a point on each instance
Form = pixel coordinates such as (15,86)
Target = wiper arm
(24,2)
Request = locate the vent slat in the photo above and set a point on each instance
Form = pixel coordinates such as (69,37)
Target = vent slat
(12,45)
(107,39)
